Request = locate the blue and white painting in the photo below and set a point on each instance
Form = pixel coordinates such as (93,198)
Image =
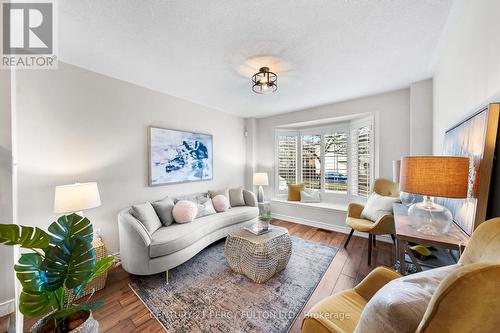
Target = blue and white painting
(178,156)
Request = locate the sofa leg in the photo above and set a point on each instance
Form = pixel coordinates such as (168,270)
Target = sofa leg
(370,243)
(166,276)
(348,238)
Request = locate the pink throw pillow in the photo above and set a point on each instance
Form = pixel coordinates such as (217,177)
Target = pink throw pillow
(221,203)
(184,211)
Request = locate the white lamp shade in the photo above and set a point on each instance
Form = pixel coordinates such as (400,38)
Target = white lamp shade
(260,179)
(76,197)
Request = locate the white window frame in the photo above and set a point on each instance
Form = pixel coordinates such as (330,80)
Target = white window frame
(346,127)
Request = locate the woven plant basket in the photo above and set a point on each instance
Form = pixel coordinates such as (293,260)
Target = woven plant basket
(79,322)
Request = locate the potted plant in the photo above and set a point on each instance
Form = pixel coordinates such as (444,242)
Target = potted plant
(264,221)
(54,272)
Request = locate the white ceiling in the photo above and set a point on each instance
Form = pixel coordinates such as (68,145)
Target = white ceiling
(323,51)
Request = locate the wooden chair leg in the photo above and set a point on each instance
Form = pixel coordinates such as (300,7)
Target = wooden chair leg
(348,238)
(393,239)
(370,243)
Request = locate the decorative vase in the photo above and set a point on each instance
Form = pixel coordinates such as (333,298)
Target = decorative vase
(263,225)
(79,322)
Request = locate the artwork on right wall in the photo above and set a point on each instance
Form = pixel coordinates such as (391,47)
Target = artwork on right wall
(475,137)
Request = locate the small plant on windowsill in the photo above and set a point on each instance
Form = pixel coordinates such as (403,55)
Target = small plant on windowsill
(55,271)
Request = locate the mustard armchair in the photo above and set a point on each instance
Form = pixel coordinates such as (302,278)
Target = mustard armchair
(466,301)
(383,226)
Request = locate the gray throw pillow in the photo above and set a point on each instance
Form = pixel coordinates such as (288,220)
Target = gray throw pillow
(205,207)
(146,214)
(163,209)
(236,197)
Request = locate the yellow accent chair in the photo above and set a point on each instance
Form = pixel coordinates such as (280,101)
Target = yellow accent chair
(466,301)
(383,226)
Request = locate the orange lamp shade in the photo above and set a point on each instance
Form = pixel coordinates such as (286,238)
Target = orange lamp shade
(437,176)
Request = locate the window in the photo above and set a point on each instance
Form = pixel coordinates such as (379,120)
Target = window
(337,159)
(361,166)
(336,162)
(311,161)
(287,161)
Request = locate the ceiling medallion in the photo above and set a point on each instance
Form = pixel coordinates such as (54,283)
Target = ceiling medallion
(265,81)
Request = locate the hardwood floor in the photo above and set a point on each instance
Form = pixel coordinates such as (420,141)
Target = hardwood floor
(124,312)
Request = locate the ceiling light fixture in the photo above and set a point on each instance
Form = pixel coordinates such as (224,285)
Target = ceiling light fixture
(265,81)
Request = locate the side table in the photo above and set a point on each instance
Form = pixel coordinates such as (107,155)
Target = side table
(456,239)
(99,282)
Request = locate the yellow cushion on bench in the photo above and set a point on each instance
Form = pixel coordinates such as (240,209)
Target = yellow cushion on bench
(294,191)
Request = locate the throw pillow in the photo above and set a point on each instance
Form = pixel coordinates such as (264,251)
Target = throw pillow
(399,306)
(146,214)
(377,206)
(184,211)
(310,196)
(294,191)
(163,209)
(236,197)
(224,192)
(205,207)
(221,203)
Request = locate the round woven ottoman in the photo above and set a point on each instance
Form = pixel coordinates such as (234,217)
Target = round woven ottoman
(258,257)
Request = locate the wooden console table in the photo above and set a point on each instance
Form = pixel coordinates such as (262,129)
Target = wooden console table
(456,239)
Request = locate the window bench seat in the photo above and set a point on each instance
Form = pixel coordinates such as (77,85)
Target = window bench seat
(320,205)
(322,215)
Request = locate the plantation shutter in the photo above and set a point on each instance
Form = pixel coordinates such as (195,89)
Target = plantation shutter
(335,147)
(287,161)
(311,161)
(361,160)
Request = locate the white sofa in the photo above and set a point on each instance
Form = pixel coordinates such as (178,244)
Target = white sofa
(146,253)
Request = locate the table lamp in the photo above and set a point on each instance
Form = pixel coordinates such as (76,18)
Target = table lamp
(76,197)
(260,179)
(433,176)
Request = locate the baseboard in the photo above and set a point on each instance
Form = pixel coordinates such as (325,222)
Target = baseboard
(327,226)
(7,307)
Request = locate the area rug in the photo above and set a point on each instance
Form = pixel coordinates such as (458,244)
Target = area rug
(204,295)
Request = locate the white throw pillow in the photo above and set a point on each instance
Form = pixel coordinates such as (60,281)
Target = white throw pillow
(205,207)
(399,306)
(377,206)
(310,196)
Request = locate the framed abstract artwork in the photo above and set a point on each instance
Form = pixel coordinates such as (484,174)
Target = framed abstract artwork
(475,137)
(179,156)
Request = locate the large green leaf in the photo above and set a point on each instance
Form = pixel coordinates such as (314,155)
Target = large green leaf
(69,264)
(30,272)
(69,227)
(100,267)
(28,237)
(33,303)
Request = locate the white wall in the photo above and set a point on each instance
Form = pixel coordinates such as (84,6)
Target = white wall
(467,74)
(76,125)
(421,118)
(392,123)
(7,290)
